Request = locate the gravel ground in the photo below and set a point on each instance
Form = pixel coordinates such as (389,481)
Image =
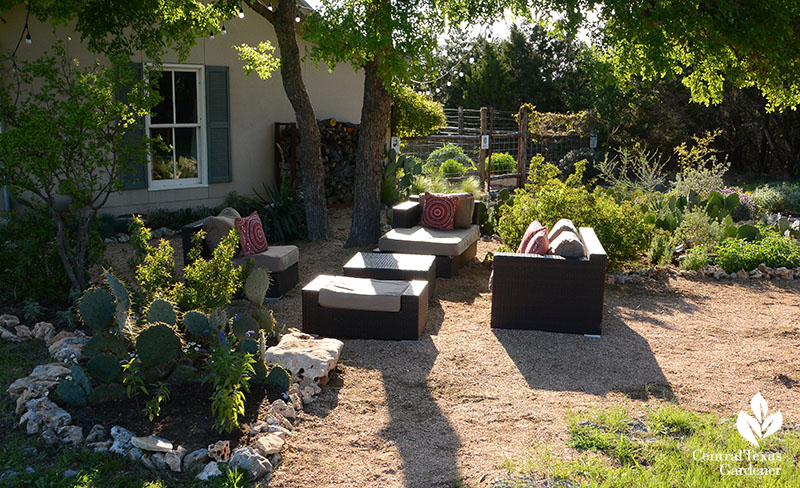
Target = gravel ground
(446,410)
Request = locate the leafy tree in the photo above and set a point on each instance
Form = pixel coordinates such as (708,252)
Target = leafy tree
(414,114)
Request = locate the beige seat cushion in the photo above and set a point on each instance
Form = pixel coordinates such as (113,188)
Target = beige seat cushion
(423,240)
(217,228)
(362,294)
(275,259)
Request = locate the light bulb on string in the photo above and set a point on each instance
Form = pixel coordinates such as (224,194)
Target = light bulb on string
(28,39)
(241,12)
(460,74)
(438,90)
(211,35)
(269,6)
(449,83)
(224,30)
(297,19)
(471,60)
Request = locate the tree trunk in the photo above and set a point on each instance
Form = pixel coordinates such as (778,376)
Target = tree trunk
(375,115)
(308,149)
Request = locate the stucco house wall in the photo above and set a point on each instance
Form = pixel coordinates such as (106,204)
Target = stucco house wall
(255,105)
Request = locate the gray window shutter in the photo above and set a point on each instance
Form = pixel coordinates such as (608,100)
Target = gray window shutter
(218,124)
(136,178)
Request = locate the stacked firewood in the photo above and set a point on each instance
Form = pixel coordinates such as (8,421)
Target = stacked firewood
(339,140)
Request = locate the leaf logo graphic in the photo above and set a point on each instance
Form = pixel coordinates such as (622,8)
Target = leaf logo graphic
(762,425)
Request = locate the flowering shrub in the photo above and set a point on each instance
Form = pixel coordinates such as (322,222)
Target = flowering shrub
(784,198)
(746,209)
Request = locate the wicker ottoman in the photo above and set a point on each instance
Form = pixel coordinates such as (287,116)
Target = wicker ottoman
(393,266)
(363,308)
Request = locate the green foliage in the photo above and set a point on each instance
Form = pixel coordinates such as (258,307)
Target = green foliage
(80,379)
(32,309)
(255,288)
(260,60)
(153,406)
(491,210)
(132,378)
(229,374)
(773,250)
(783,197)
(414,114)
(104,367)
(399,174)
(155,265)
(245,327)
(501,163)
(209,284)
(197,323)
(265,319)
(634,168)
(695,258)
(72,394)
(446,152)
(157,344)
(161,310)
(661,250)
(104,342)
(451,168)
(621,227)
(284,212)
(280,377)
(97,309)
(697,229)
(470,184)
(700,168)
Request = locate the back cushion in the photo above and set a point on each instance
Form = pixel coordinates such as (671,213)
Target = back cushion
(562,226)
(567,245)
(439,211)
(251,234)
(217,228)
(535,240)
(464,209)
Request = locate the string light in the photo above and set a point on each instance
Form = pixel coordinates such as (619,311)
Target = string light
(460,74)
(438,90)
(297,19)
(224,30)
(211,35)
(449,83)
(28,39)
(241,12)
(269,6)
(471,60)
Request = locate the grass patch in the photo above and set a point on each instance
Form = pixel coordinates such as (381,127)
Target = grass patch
(670,446)
(20,452)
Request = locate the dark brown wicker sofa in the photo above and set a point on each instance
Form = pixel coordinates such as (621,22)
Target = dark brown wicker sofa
(549,292)
(452,248)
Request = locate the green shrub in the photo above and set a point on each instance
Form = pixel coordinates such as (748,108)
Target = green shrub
(502,163)
(772,198)
(451,169)
(414,114)
(700,168)
(695,259)
(697,229)
(660,252)
(448,151)
(773,250)
(229,373)
(621,227)
(209,284)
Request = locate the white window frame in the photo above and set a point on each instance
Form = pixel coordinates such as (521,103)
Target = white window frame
(202,178)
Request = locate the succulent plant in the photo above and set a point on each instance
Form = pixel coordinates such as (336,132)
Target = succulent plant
(123,301)
(259,372)
(265,319)
(245,327)
(105,342)
(80,379)
(748,233)
(247,346)
(71,394)
(262,345)
(197,323)
(157,344)
(218,319)
(280,377)
(161,310)
(104,368)
(255,288)
(96,309)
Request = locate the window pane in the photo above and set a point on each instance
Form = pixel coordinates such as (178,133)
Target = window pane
(163,166)
(186,151)
(185,97)
(162,113)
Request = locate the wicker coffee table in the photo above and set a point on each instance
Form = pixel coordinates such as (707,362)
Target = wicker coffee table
(392,266)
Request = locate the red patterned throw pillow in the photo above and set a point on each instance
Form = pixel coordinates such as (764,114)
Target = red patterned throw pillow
(535,240)
(439,211)
(251,234)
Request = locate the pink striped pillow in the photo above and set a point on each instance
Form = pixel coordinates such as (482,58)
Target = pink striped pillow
(535,240)
(251,234)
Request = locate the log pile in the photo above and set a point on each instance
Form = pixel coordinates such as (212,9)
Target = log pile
(339,141)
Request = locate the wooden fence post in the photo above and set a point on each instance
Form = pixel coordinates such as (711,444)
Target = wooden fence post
(522,145)
(460,120)
(482,152)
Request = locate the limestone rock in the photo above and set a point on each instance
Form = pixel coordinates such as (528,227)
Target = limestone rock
(174,458)
(269,444)
(71,435)
(8,335)
(26,396)
(50,437)
(158,460)
(742,273)
(96,434)
(64,334)
(200,456)
(295,397)
(220,450)
(210,471)
(68,348)
(23,332)
(307,358)
(7,320)
(247,459)
(782,272)
(134,454)
(285,410)
(148,463)
(151,443)
(279,431)
(258,427)
(44,330)
(47,414)
(122,440)
(102,446)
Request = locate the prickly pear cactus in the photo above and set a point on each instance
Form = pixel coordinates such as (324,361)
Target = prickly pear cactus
(218,319)
(97,309)
(265,319)
(259,372)
(104,368)
(157,344)
(748,233)
(262,345)
(255,288)
(80,379)
(71,394)
(123,305)
(197,324)
(161,310)
(279,377)
(246,327)
(247,346)
(105,342)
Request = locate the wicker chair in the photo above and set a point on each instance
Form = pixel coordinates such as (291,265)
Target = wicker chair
(550,293)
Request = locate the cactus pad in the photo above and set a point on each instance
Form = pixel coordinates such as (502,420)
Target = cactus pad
(197,324)
(80,379)
(161,310)
(255,288)
(259,372)
(748,233)
(118,289)
(246,327)
(265,319)
(157,344)
(247,346)
(218,319)
(279,377)
(104,368)
(105,342)
(71,394)
(97,309)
